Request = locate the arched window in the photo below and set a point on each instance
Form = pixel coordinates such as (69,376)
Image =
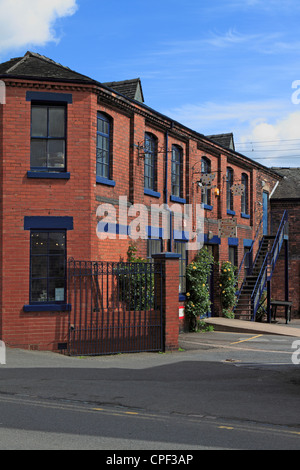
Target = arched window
(205,193)
(244,199)
(150,161)
(176,170)
(229,183)
(103,159)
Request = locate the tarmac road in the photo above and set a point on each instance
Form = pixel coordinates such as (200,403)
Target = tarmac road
(220,391)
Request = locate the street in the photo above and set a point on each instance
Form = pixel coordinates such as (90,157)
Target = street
(219,391)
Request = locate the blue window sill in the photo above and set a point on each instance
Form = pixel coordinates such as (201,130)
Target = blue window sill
(150,192)
(245,216)
(178,199)
(207,207)
(49,174)
(230,212)
(47,308)
(101,180)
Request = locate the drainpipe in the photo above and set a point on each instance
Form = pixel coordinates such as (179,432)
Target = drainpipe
(170,243)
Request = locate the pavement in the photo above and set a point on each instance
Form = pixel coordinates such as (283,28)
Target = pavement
(242,326)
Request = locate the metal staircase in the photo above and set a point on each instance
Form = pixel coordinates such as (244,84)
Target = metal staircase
(258,272)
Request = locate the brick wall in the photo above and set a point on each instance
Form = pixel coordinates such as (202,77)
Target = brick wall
(80,196)
(277,285)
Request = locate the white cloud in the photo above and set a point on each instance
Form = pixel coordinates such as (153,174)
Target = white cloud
(211,117)
(31,22)
(274,144)
(258,132)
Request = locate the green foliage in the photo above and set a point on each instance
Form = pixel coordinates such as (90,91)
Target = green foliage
(135,282)
(228,288)
(198,297)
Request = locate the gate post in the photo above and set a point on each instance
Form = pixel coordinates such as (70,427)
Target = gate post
(170,298)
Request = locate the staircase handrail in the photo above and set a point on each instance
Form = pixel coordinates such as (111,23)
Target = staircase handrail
(251,249)
(273,255)
(269,262)
(259,286)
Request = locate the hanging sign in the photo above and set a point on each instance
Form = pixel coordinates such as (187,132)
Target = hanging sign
(207,179)
(227,228)
(238,189)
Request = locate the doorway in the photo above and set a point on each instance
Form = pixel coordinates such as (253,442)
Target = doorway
(265,212)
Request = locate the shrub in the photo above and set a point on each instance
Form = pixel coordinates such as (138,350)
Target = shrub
(228,288)
(198,296)
(135,282)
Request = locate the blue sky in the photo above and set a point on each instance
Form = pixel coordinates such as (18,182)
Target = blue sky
(215,65)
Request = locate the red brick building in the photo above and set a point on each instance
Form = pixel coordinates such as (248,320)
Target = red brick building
(70,144)
(287,197)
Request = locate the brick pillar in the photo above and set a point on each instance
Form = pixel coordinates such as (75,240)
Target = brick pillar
(170,298)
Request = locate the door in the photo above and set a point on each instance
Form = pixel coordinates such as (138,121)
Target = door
(265,212)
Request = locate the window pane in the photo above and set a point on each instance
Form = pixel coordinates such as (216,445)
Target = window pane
(39,290)
(57,266)
(39,266)
(39,243)
(56,122)
(56,243)
(102,142)
(56,290)
(39,121)
(56,153)
(38,156)
(175,191)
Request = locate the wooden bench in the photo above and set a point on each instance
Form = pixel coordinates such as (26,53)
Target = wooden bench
(281,303)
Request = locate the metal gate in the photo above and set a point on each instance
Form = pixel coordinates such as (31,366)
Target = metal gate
(115,307)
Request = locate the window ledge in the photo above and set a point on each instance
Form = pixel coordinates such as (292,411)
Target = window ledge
(150,192)
(245,216)
(178,199)
(49,174)
(229,212)
(206,206)
(47,308)
(106,181)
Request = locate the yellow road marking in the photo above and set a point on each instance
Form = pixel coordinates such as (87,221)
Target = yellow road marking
(225,427)
(249,339)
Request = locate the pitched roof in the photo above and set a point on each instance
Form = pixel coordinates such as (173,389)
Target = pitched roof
(130,88)
(226,140)
(289,186)
(34,65)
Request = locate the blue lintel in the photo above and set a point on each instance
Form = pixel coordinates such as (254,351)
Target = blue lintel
(247,242)
(48,222)
(166,255)
(48,96)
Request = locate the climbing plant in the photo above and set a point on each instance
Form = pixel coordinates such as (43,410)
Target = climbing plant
(228,283)
(135,281)
(198,297)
